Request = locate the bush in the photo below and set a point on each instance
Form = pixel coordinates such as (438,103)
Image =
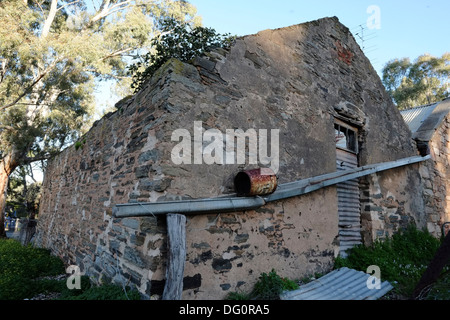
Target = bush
(21,266)
(23,270)
(268,287)
(103,292)
(441,289)
(178,40)
(402,259)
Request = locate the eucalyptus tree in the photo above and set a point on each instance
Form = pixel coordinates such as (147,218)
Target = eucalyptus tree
(423,81)
(52,54)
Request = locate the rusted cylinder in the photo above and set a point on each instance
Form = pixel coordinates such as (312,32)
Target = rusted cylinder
(261,181)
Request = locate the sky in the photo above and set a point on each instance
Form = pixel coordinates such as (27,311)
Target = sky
(392,28)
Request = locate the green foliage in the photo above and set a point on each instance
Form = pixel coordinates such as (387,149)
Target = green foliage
(178,40)
(441,289)
(80,144)
(238,296)
(20,266)
(23,197)
(103,292)
(421,82)
(23,270)
(402,259)
(269,287)
(53,54)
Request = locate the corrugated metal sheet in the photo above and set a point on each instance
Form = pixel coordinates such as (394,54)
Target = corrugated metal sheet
(348,203)
(414,117)
(340,284)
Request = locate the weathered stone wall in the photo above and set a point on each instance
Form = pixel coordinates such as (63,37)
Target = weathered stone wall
(391,200)
(229,251)
(418,194)
(435,174)
(297,80)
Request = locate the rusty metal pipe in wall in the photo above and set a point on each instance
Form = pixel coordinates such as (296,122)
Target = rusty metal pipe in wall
(256,182)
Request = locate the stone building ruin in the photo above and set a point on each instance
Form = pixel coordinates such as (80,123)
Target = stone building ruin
(311,82)
(430,126)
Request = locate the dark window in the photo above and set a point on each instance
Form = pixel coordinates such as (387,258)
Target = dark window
(346,138)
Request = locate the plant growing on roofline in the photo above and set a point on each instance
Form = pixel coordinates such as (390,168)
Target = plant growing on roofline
(52,55)
(180,40)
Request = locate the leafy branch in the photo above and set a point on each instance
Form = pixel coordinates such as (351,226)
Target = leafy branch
(177,40)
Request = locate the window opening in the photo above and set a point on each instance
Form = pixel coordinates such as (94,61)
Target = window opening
(346,138)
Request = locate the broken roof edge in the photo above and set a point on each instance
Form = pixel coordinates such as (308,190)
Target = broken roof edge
(224,204)
(433,121)
(424,120)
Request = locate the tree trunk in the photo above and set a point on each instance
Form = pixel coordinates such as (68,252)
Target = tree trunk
(7,166)
(431,275)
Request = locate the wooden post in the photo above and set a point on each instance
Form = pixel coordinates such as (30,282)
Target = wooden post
(176,241)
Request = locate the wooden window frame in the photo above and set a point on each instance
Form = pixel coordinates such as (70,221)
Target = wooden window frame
(351,134)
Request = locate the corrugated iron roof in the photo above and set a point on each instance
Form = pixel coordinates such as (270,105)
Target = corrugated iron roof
(414,117)
(340,284)
(424,120)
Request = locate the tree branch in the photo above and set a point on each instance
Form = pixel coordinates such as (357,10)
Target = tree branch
(26,91)
(28,160)
(120,4)
(102,11)
(68,4)
(105,10)
(38,4)
(6,127)
(51,16)
(3,69)
(30,87)
(116,53)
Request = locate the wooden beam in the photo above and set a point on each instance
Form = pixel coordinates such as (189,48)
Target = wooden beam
(176,242)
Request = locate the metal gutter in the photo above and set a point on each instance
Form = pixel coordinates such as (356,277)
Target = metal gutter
(197,206)
(234,203)
(300,187)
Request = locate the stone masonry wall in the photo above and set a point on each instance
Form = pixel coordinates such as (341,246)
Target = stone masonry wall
(418,194)
(435,174)
(296,80)
(390,201)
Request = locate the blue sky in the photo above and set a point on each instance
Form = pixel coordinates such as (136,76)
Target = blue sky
(407,28)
